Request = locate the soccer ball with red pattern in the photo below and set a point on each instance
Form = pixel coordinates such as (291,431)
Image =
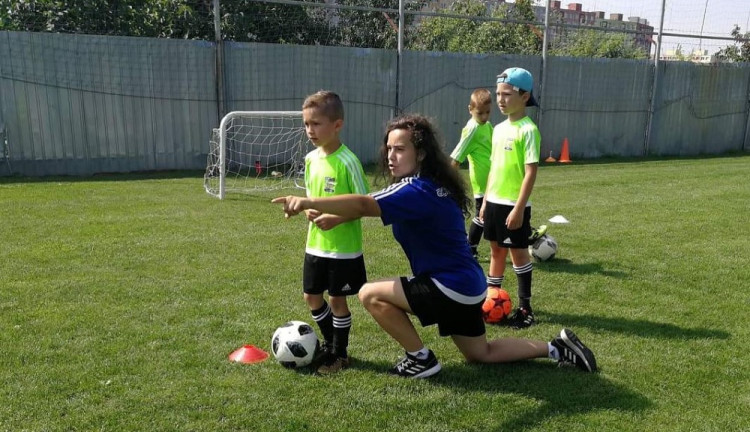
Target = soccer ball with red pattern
(496,306)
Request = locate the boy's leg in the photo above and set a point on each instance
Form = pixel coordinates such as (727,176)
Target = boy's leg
(346,277)
(522,266)
(342,323)
(476,229)
(494,227)
(314,285)
(321,314)
(496,272)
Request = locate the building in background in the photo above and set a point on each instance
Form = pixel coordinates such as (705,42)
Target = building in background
(637,28)
(697,56)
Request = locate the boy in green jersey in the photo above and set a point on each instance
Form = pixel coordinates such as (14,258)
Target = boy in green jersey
(476,145)
(333,254)
(506,210)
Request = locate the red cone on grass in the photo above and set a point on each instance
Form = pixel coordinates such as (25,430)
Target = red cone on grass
(248,354)
(564,154)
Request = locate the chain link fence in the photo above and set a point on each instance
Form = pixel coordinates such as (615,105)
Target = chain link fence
(162,72)
(629,30)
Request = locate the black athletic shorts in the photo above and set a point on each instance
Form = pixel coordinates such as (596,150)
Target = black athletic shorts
(495,229)
(340,277)
(431,306)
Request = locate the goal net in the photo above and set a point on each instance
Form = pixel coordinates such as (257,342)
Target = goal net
(256,151)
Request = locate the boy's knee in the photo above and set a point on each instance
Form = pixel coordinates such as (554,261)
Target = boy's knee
(338,304)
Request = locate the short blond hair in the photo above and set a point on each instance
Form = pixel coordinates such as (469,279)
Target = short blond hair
(480,97)
(327,102)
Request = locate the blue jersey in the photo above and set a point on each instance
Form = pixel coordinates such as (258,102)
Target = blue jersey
(429,225)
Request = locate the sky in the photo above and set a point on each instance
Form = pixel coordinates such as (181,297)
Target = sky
(681,16)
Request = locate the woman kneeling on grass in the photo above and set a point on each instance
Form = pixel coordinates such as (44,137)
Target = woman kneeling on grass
(426,203)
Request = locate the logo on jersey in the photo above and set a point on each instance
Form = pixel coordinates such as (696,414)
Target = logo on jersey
(442,192)
(509,144)
(330,186)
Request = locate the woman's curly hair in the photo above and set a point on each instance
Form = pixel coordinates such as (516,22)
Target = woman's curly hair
(435,164)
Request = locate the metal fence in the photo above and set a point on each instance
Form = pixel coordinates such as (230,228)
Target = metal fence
(80,104)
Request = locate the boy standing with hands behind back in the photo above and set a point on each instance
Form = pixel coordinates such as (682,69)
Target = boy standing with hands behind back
(333,255)
(506,210)
(476,145)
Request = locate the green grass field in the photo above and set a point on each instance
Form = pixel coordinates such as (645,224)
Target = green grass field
(122,296)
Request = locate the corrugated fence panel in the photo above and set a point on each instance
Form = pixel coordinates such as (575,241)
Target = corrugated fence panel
(439,85)
(600,105)
(80,104)
(267,77)
(700,109)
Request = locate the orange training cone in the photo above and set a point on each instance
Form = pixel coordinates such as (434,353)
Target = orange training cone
(248,354)
(550,158)
(564,155)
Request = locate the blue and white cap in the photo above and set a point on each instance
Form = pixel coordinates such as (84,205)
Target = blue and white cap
(520,79)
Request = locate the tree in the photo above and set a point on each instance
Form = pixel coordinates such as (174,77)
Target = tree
(592,43)
(478,34)
(453,34)
(357,28)
(740,52)
(183,19)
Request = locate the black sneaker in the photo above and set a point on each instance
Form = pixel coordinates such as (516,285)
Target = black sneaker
(521,319)
(323,355)
(333,364)
(573,351)
(412,367)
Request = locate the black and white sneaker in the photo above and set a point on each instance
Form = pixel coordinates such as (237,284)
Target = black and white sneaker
(521,319)
(412,367)
(573,351)
(323,354)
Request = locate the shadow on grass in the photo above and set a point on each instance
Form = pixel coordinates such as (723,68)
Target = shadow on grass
(557,392)
(562,265)
(633,327)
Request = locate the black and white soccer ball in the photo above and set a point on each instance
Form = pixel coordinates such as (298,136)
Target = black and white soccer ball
(294,344)
(544,249)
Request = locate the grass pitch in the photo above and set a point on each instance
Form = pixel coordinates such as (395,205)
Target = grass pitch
(122,296)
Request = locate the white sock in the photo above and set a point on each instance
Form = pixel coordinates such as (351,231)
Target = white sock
(420,354)
(553,352)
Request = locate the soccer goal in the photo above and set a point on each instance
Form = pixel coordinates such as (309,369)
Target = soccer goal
(256,151)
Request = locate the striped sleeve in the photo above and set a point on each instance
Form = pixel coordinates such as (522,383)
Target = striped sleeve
(355,171)
(462,148)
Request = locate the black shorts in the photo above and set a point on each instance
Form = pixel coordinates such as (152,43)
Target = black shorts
(431,306)
(495,229)
(340,277)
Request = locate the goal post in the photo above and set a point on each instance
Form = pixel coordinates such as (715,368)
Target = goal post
(254,151)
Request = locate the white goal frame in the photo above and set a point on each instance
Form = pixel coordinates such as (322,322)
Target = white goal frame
(256,151)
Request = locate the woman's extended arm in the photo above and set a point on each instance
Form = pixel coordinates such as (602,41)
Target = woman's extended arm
(350,206)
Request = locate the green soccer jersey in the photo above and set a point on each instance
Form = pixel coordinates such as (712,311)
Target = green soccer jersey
(514,145)
(336,174)
(476,144)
